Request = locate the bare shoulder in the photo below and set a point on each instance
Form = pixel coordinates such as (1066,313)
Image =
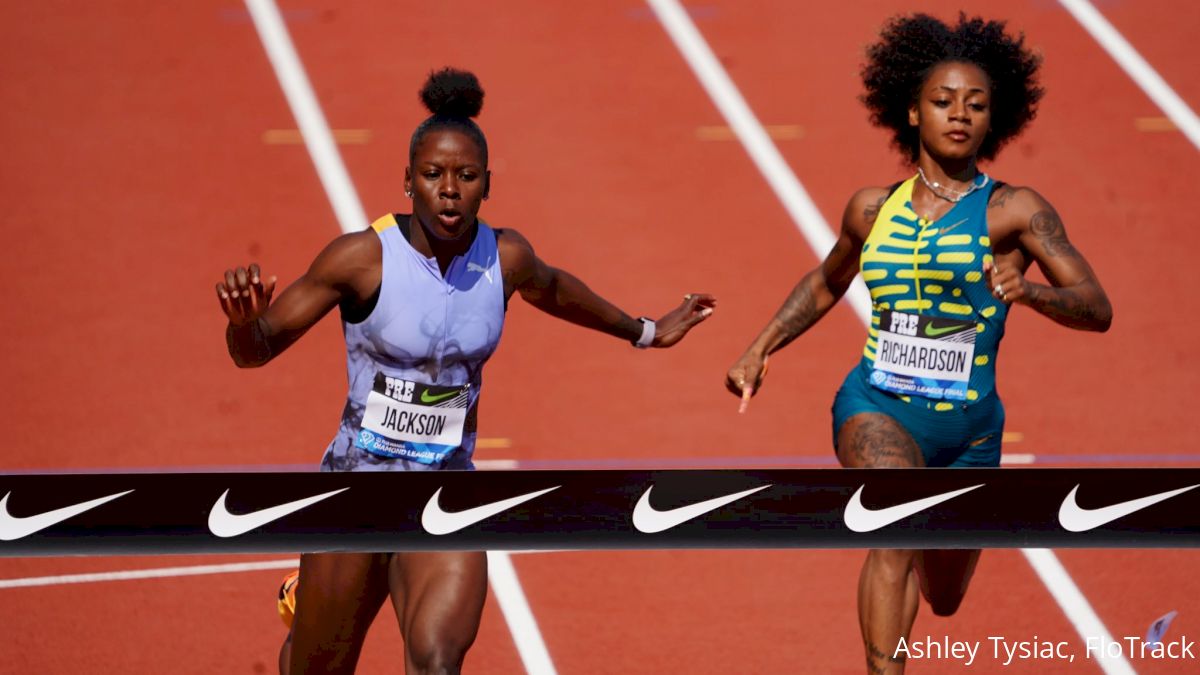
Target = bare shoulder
(508,237)
(515,249)
(518,262)
(354,248)
(348,259)
(863,208)
(1016,208)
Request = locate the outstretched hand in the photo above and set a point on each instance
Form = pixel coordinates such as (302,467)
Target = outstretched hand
(675,324)
(243,295)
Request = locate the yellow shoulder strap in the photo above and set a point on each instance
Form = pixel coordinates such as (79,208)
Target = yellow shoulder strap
(384,223)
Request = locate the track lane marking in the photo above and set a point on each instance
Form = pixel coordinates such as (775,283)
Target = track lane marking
(767,158)
(300,97)
(1138,69)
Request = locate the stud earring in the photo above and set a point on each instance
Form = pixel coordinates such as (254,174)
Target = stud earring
(408,193)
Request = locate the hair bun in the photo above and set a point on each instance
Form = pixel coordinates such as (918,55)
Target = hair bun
(452,93)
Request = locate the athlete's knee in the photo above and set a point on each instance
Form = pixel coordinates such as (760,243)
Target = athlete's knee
(437,649)
(437,654)
(892,564)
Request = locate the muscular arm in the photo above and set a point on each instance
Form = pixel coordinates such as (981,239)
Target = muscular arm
(821,288)
(559,293)
(346,272)
(562,295)
(1074,297)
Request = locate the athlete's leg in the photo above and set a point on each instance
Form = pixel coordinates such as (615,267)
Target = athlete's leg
(945,575)
(285,655)
(439,601)
(887,587)
(336,601)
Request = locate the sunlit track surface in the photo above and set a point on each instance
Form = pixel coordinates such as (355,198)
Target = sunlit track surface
(121,212)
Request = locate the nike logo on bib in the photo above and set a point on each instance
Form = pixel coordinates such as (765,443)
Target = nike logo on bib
(648,520)
(934,332)
(225,524)
(427,398)
(1075,518)
(437,521)
(861,519)
(14,527)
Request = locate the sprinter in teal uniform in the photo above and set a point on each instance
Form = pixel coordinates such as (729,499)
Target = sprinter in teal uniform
(944,255)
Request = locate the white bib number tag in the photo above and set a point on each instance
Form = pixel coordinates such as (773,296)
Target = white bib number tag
(410,420)
(923,355)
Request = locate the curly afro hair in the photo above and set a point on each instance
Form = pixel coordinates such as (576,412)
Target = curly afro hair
(911,46)
(452,97)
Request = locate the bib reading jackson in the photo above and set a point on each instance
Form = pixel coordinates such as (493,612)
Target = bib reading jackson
(413,421)
(924,356)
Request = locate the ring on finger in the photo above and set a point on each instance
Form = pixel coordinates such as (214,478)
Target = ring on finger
(998,289)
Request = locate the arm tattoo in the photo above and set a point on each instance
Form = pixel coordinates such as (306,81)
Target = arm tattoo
(799,312)
(1001,196)
(1049,231)
(1067,304)
(872,211)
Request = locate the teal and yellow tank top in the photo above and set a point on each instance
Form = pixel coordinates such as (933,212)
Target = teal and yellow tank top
(935,326)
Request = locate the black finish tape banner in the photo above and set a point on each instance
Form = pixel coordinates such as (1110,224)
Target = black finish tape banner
(527,510)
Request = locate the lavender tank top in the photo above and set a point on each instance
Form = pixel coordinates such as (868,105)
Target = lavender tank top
(415,364)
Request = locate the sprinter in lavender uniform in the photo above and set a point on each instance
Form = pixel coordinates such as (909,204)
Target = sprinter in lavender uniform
(422,299)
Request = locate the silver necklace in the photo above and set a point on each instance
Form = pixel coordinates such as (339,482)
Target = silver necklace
(949,194)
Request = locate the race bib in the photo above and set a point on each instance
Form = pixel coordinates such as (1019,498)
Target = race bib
(924,355)
(409,420)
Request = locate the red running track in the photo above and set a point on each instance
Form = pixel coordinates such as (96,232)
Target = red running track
(134,172)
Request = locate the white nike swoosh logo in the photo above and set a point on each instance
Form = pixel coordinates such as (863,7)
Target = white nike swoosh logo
(861,519)
(649,520)
(225,524)
(437,521)
(1075,518)
(13,527)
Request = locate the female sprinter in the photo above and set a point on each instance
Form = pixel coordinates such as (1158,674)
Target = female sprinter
(422,299)
(944,255)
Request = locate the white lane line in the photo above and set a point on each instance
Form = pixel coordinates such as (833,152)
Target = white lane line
(724,93)
(154,573)
(168,572)
(1136,67)
(351,217)
(306,109)
(737,113)
(1072,600)
(528,637)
